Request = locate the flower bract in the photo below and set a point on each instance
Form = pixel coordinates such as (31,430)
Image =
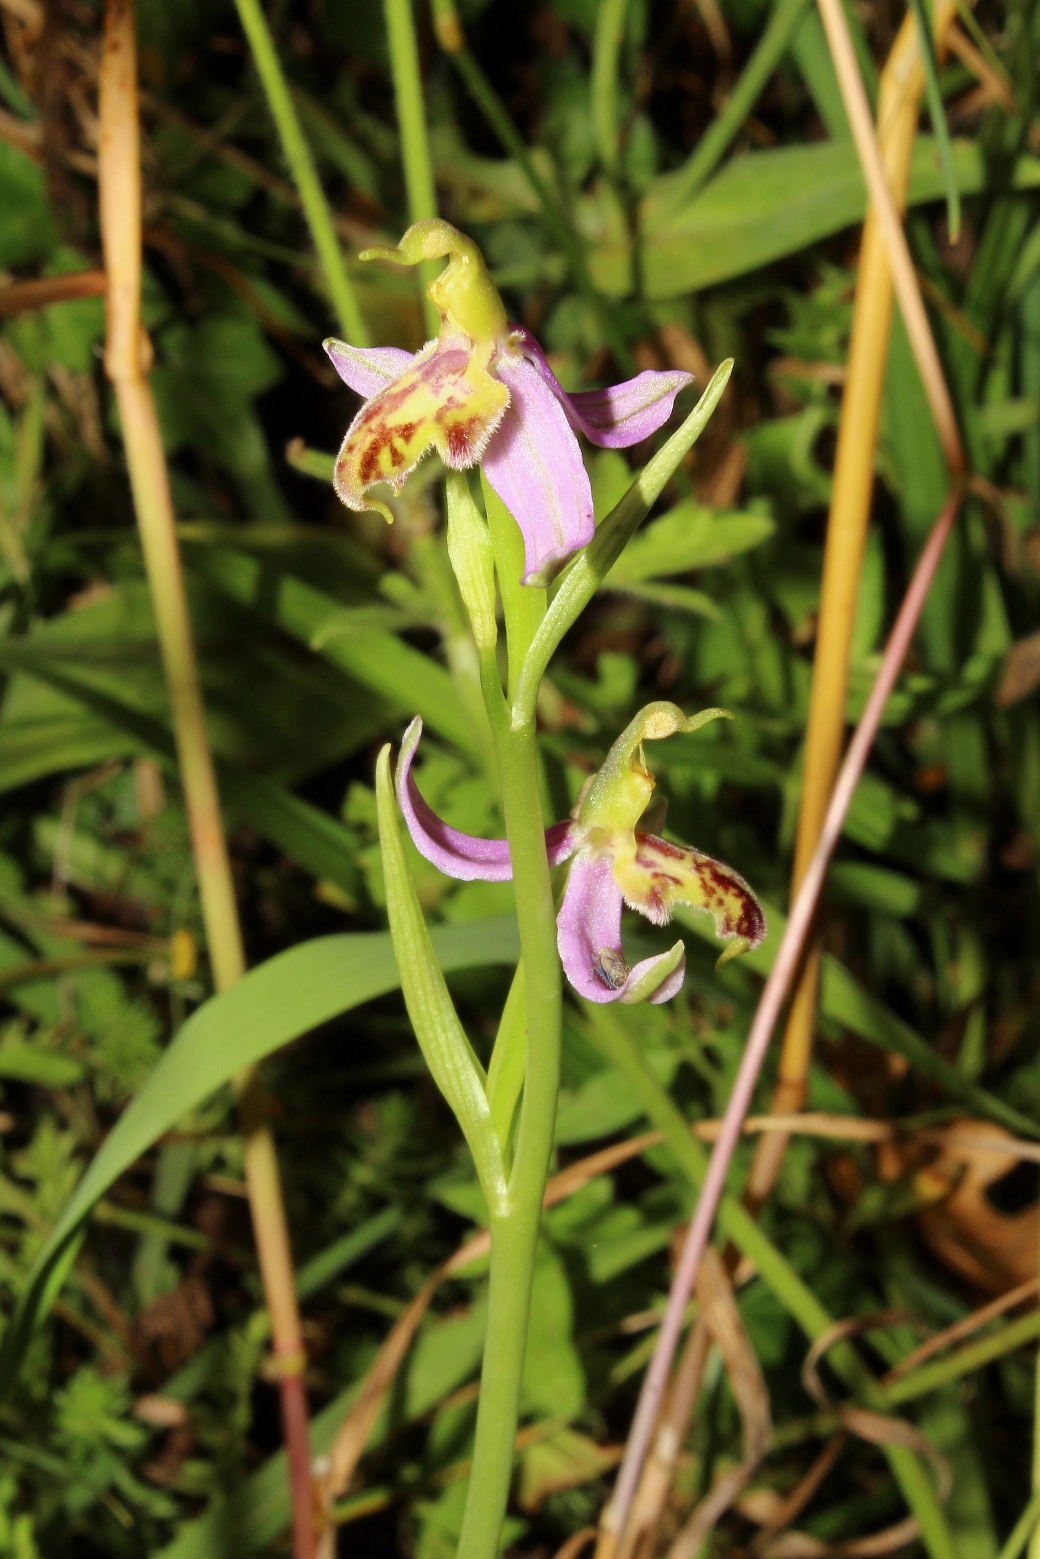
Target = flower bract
(613,863)
(482,392)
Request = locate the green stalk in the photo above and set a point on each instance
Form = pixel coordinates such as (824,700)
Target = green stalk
(534,1008)
(461,653)
(303,171)
(470,559)
(964,1361)
(514,1232)
(506,1067)
(1026,1527)
(683,185)
(523,606)
(606,52)
(411,122)
(514,1229)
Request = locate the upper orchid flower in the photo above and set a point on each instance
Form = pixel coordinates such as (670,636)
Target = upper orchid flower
(483,393)
(614,863)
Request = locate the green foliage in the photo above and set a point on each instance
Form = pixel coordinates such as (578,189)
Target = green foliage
(138,1413)
(29,223)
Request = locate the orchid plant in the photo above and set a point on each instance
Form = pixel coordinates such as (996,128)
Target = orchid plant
(482,393)
(614,863)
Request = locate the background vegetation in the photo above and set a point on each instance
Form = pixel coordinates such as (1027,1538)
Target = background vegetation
(653,184)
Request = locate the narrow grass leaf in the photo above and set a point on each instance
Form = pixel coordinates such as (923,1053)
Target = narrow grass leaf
(937,111)
(274,1004)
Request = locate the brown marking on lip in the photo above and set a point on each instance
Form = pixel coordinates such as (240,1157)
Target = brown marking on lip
(662,846)
(383,406)
(381,434)
(368,461)
(724,893)
(393,429)
(657,874)
(459,437)
(378,448)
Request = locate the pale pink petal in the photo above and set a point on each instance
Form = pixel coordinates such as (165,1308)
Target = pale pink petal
(624,414)
(368,369)
(621,414)
(588,935)
(534,464)
(457,854)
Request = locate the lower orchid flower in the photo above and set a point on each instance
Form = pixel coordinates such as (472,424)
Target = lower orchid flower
(483,393)
(614,863)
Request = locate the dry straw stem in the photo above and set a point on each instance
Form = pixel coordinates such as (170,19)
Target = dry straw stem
(652,1501)
(773,996)
(652,1506)
(127,358)
(718,1322)
(350,1442)
(40,291)
(904,68)
(882,255)
(939,1341)
(721,1317)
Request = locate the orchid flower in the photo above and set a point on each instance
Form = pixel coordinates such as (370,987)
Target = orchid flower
(482,392)
(614,863)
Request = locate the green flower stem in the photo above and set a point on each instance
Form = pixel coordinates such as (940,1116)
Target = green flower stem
(303,171)
(411,122)
(591,566)
(523,606)
(471,561)
(506,1068)
(514,1233)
